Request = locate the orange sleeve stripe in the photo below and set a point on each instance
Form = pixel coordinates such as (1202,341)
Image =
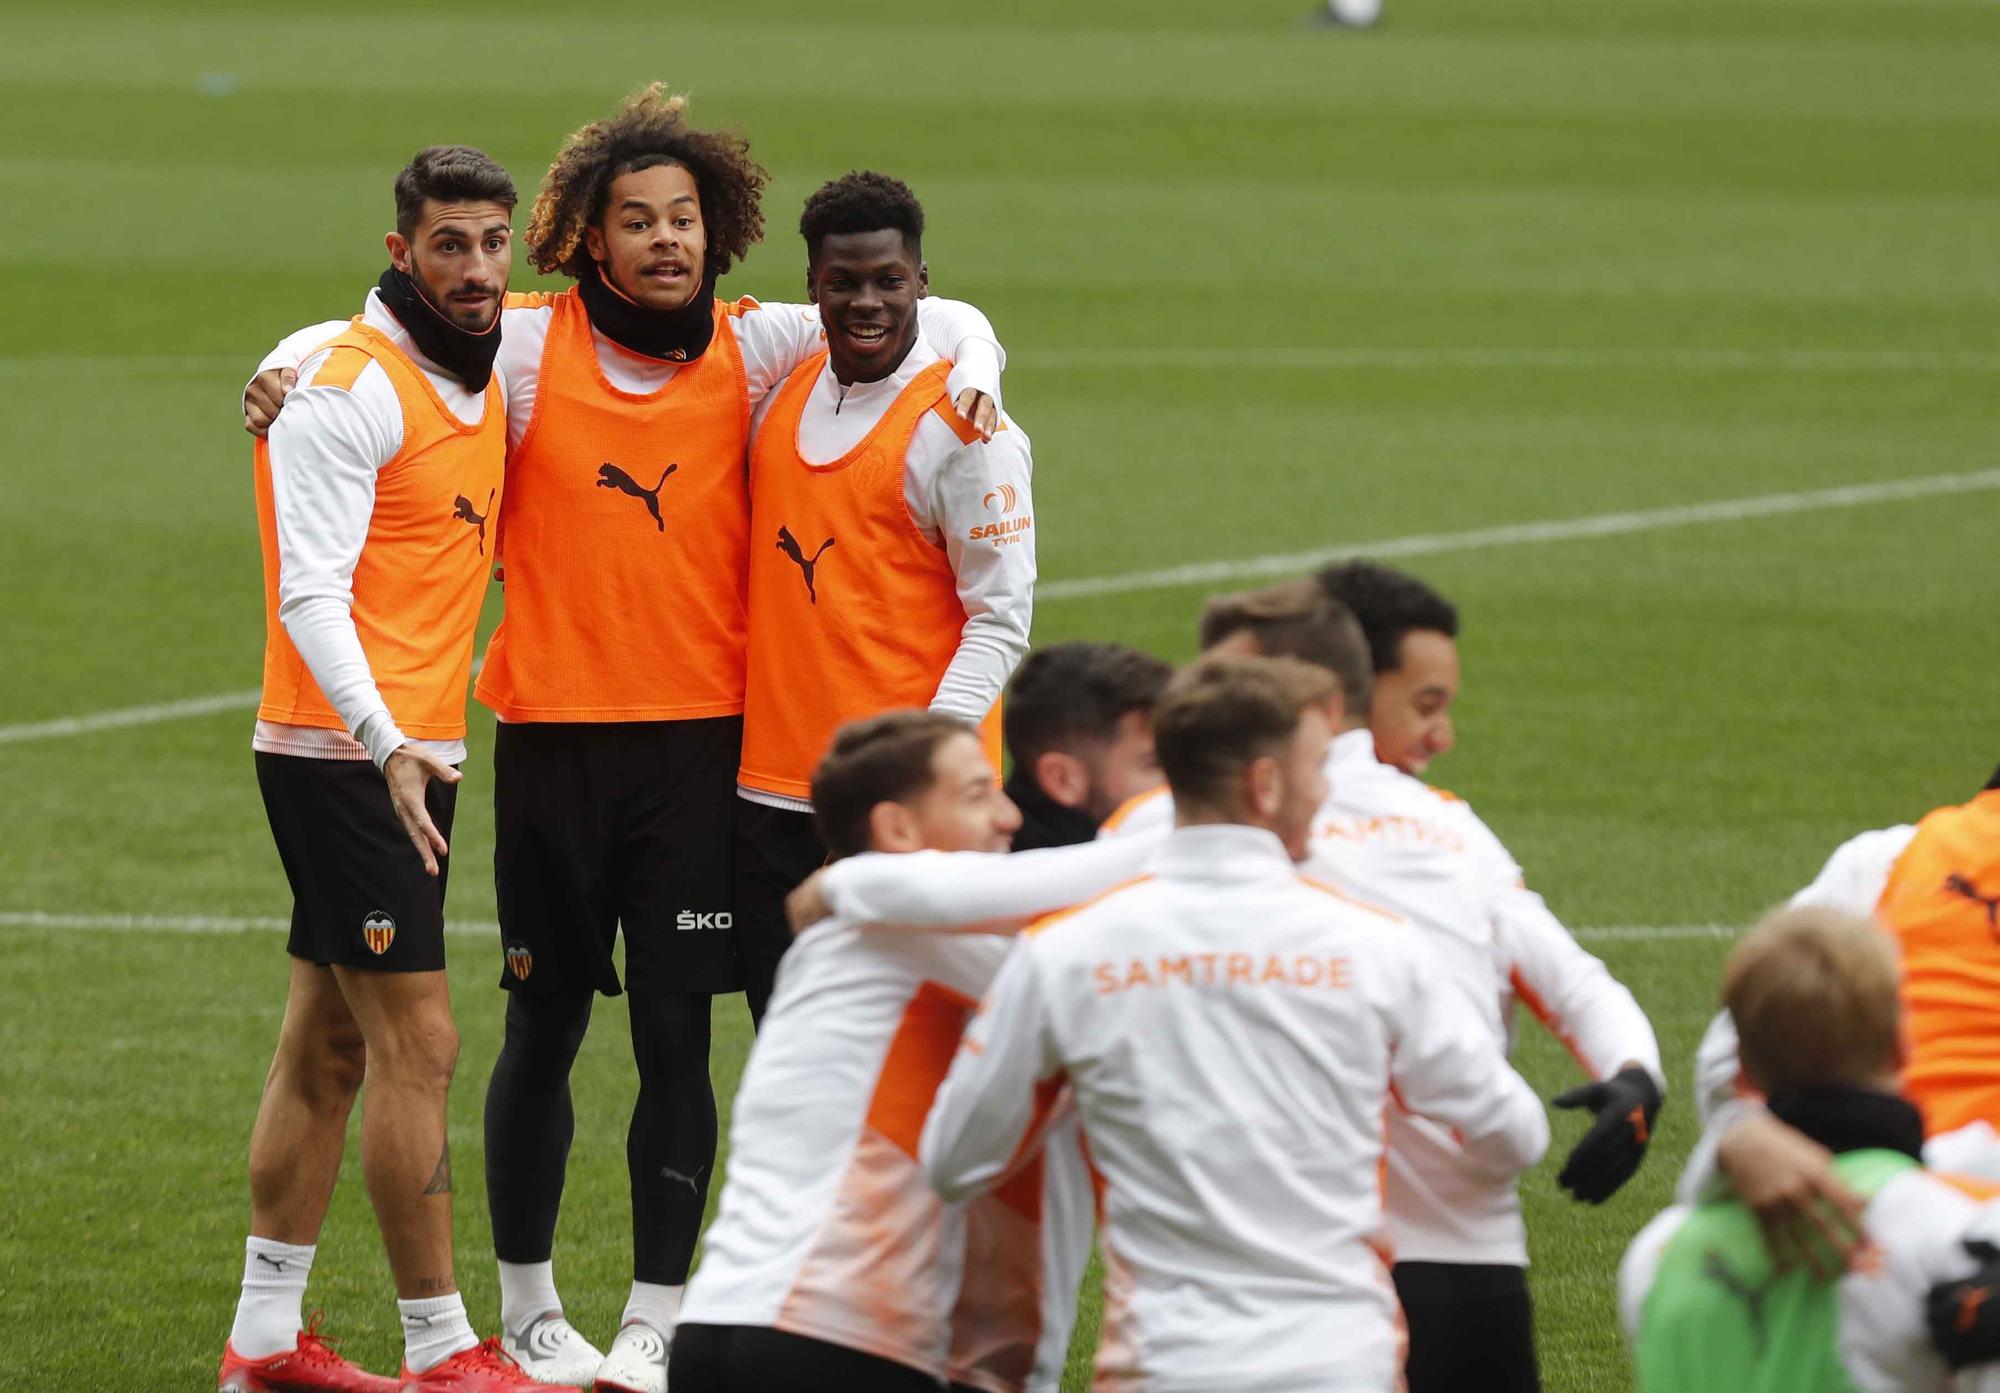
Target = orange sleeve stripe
(1548,1018)
(341,368)
(1056,916)
(1125,809)
(919,1057)
(1346,898)
(1971,1186)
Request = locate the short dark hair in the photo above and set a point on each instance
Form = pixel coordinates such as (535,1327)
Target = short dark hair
(449,174)
(1297,619)
(883,759)
(1223,712)
(1389,603)
(1072,692)
(862,201)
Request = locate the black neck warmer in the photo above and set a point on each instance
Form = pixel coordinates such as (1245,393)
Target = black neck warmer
(673,336)
(1844,1118)
(1045,822)
(465,355)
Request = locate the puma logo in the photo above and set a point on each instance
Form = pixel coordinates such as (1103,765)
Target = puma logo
(1716,1270)
(691,1181)
(610,476)
(463,512)
(278,1263)
(1957,884)
(789,545)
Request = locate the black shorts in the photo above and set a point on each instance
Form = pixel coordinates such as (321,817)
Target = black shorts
(776,848)
(619,824)
(758,1359)
(360,894)
(1471,1326)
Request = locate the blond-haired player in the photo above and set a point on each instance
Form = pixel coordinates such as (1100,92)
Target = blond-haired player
(1232,1032)
(1815,997)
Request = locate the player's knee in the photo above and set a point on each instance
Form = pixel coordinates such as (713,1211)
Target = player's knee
(341,1064)
(420,1051)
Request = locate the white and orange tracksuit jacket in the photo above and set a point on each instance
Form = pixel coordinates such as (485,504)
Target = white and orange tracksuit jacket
(1390,840)
(1232,1032)
(827,1228)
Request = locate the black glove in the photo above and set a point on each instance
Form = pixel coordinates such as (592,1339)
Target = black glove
(1625,1104)
(1964,1315)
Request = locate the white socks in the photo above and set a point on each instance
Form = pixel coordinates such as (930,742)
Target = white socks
(434,1329)
(659,1306)
(527,1293)
(274,1289)
(1360,13)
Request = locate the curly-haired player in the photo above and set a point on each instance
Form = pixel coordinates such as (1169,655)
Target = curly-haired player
(618,677)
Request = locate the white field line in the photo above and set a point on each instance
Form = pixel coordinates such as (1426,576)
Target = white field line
(1321,358)
(219,924)
(1251,567)
(129,716)
(1528,533)
(1334,359)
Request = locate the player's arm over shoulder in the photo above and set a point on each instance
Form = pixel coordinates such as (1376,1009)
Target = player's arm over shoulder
(1854,877)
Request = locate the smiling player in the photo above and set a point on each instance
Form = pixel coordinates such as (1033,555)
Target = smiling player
(892,550)
(618,676)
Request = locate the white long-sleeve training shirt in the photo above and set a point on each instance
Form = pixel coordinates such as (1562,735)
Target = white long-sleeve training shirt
(950,488)
(1918,1223)
(326,449)
(1232,1032)
(1388,839)
(774,339)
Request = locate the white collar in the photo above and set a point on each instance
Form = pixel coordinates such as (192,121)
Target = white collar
(1224,851)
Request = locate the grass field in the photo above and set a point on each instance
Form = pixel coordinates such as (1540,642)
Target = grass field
(1266,290)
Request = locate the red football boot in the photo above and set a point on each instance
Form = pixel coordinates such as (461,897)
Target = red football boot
(485,1368)
(310,1365)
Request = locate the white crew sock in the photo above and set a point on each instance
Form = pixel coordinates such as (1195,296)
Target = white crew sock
(659,1306)
(434,1329)
(527,1293)
(274,1288)
(1356,12)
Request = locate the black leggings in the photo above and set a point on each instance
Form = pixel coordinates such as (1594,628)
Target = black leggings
(1470,1327)
(670,1149)
(758,1359)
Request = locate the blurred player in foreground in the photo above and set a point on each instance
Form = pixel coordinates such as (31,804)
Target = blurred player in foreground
(372,492)
(1460,1241)
(1079,728)
(831,1264)
(1232,1032)
(1814,993)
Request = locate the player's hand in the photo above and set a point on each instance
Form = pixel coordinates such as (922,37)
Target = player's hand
(1964,1316)
(1809,1216)
(979,411)
(409,772)
(807,905)
(1625,1104)
(265,397)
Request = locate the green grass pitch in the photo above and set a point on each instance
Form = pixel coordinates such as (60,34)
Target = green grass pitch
(1265,288)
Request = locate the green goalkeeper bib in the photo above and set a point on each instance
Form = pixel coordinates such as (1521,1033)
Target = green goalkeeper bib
(1719,1317)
